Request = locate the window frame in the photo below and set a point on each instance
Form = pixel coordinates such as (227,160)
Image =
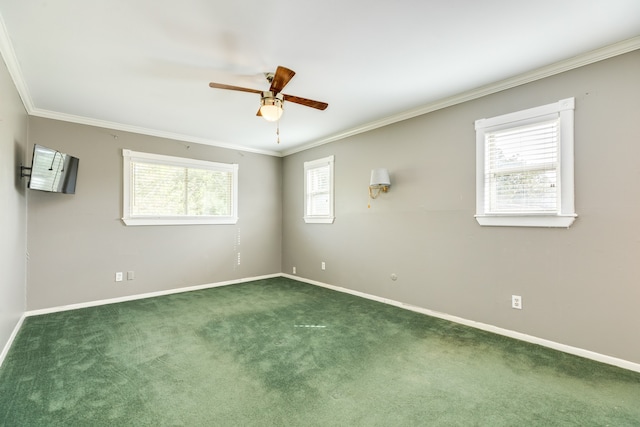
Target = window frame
(311,165)
(565,214)
(130,156)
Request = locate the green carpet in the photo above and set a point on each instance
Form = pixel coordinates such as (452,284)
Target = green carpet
(283,353)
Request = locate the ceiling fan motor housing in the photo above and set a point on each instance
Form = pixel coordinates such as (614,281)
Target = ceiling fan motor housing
(270,96)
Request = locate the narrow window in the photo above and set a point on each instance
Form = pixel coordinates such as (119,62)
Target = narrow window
(318,191)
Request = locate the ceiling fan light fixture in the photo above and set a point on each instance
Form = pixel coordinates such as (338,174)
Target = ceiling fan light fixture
(271,106)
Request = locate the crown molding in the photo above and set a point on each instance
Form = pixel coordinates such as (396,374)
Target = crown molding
(578,61)
(10,59)
(145,131)
(8,54)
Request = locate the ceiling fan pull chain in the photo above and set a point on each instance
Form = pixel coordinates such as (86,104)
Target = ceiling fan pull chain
(278,130)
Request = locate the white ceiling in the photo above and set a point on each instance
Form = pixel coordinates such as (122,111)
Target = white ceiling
(144,66)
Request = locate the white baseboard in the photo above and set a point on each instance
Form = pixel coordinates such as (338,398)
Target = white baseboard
(146,295)
(609,360)
(28,313)
(7,346)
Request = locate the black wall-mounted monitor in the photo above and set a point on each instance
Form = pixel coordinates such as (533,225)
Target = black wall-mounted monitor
(53,171)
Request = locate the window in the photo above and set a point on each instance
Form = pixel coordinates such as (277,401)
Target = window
(524,167)
(318,191)
(165,190)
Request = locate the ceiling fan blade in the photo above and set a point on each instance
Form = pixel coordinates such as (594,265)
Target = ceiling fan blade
(259,113)
(281,78)
(306,102)
(229,87)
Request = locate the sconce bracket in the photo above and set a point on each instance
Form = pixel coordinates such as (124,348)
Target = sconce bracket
(374,190)
(22,171)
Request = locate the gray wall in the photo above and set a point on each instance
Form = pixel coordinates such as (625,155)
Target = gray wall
(77,242)
(13,206)
(579,285)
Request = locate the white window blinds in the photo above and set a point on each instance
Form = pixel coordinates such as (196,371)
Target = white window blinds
(524,167)
(521,171)
(318,191)
(166,190)
(169,190)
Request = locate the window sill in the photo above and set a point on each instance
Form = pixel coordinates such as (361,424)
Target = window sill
(559,221)
(178,221)
(325,220)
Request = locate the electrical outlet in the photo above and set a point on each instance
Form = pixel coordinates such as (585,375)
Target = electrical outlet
(516,302)
(131,275)
(119,276)
(294,270)
(323,265)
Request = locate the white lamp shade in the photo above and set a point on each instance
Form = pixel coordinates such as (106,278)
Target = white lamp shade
(271,113)
(271,106)
(379,178)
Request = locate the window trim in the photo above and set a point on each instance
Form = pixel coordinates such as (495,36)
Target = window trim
(313,164)
(128,219)
(564,109)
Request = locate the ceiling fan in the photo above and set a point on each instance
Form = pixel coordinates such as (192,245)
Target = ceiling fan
(271,101)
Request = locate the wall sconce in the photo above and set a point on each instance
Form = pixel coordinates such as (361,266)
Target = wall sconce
(379,182)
